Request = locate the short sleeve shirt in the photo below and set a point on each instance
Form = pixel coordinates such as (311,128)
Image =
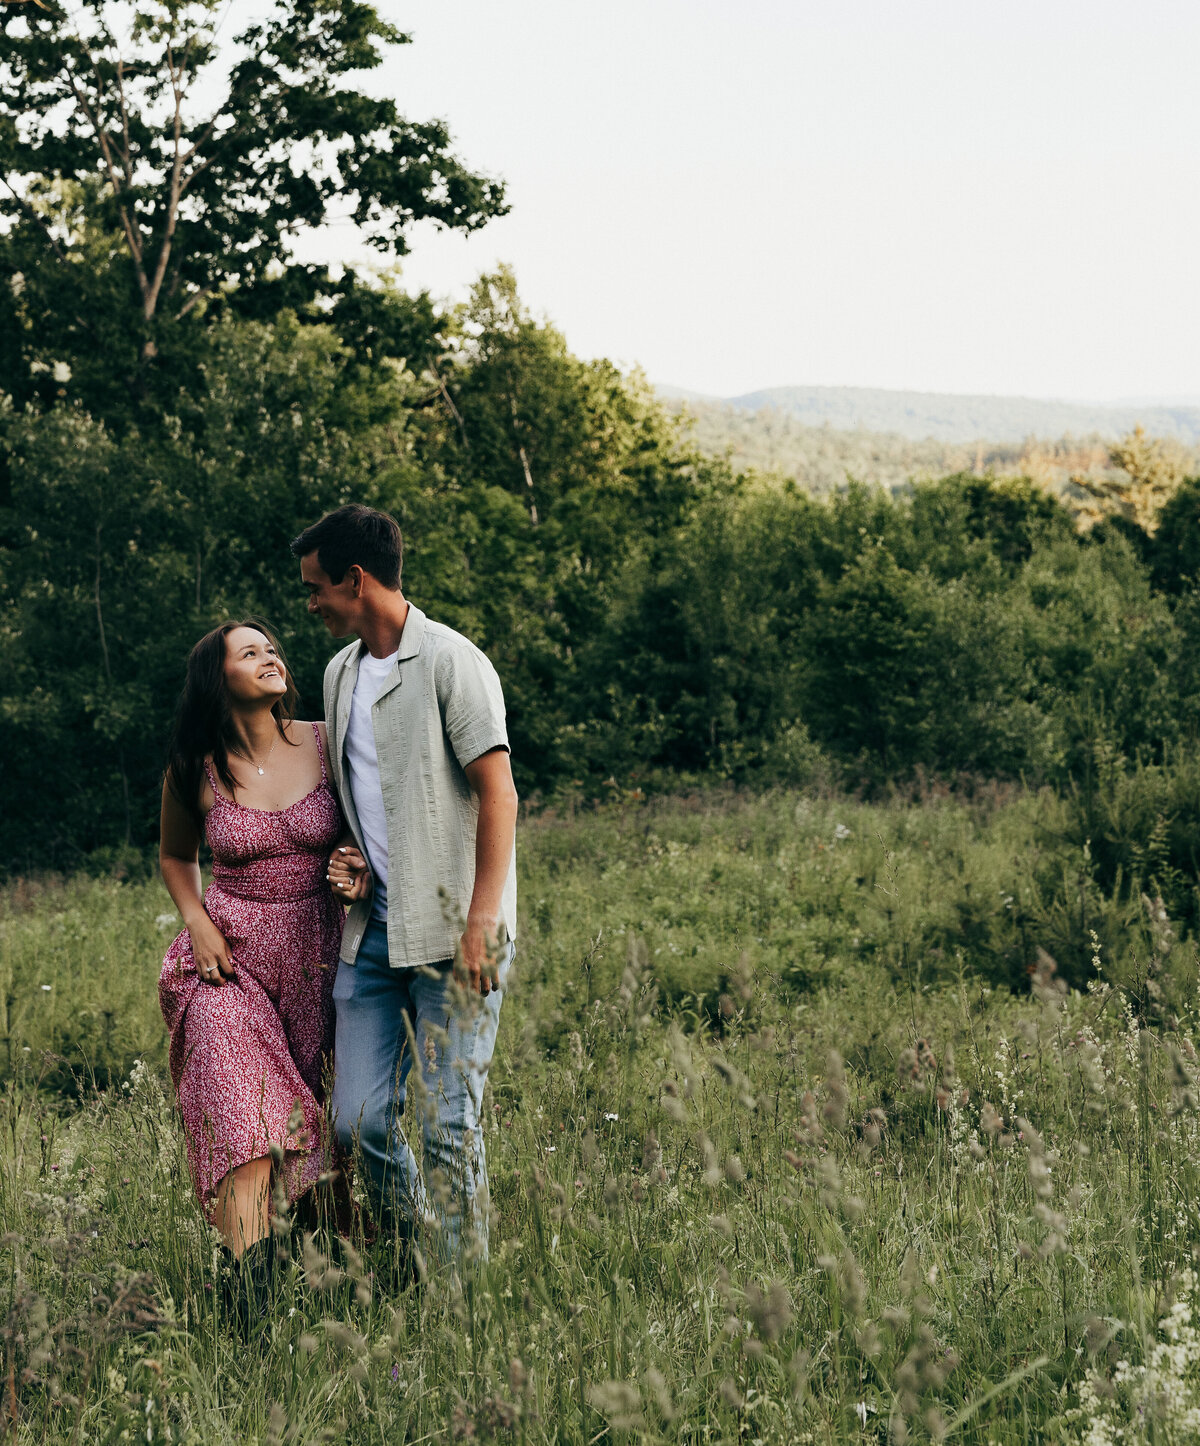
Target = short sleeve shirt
(439,708)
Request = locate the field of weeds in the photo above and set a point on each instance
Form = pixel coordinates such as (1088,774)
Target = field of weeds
(810,1121)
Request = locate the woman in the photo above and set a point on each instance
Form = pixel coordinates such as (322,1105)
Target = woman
(246,987)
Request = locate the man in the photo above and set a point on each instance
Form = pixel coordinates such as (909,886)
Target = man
(418,751)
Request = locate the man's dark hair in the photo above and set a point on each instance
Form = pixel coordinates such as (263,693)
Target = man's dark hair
(355,535)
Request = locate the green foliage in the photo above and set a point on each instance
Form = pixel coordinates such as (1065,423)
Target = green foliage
(121,552)
(1175,556)
(142,160)
(652,614)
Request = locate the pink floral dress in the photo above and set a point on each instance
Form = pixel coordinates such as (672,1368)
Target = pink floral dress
(248,1053)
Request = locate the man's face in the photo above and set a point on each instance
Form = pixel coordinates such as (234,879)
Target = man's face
(338,603)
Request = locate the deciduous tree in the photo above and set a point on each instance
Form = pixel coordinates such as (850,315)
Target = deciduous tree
(148,164)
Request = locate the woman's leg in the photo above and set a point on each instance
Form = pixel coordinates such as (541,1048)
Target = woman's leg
(241,1207)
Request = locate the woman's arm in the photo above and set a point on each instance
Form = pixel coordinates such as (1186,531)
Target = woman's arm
(179,861)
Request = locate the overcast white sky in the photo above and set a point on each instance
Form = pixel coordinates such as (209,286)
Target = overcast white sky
(943,195)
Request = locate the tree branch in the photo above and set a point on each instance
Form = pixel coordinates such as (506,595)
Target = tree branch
(126,149)
(196,296)
(131,234)
(150,302)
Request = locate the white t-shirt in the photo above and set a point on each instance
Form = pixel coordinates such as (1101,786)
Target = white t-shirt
(363,764)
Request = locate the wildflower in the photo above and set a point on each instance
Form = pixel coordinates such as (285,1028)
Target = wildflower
(46,988)
(1157,1400)
(612,1117)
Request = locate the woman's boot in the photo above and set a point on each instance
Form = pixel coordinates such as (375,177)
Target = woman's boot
(249,1283)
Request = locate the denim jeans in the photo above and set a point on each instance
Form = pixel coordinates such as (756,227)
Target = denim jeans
(381,1014)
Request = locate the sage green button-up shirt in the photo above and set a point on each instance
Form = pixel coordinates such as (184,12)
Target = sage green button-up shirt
(441,707)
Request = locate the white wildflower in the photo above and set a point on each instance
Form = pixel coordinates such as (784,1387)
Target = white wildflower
(1157,1400)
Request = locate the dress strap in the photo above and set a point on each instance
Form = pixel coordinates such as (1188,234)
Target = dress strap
(212,781)
(320,753)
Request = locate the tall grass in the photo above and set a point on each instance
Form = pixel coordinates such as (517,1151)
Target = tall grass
(783,1147)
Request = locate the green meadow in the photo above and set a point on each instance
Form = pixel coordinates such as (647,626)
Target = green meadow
(811,1120)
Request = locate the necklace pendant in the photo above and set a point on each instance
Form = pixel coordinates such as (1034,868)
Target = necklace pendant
(261,771)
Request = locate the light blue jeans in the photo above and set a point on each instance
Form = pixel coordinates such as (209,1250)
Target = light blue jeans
(383,1015)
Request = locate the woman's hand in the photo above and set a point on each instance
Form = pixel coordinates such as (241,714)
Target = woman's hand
(348,875)
(214,962)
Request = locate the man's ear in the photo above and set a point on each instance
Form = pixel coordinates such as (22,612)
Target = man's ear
(357,577)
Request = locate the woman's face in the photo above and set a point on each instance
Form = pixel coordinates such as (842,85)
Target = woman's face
(254,671)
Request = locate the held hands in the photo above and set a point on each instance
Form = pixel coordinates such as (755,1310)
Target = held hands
(348,875)
(214,962)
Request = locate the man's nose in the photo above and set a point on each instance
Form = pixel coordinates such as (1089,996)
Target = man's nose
(312,602)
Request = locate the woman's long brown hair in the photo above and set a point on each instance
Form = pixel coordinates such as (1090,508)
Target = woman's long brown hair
(204,716)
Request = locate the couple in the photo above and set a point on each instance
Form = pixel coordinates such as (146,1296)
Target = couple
(401,807)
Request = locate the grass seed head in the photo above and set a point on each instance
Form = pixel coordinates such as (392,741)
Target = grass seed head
(656,1384)
(770,1310)
(619,1402)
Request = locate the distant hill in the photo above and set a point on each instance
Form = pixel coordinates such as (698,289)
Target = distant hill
(956,419)
(776,441)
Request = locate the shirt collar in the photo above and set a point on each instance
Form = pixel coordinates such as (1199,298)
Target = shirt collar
(410,639)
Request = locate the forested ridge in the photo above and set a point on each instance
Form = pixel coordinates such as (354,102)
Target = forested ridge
(820,458)
(955,418)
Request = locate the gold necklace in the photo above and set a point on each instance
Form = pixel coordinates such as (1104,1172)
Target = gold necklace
(260,766)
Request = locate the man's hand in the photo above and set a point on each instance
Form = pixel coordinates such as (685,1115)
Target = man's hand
(348,875)
(478,963)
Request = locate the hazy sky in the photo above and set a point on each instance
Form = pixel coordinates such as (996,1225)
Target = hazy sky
(944,195)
